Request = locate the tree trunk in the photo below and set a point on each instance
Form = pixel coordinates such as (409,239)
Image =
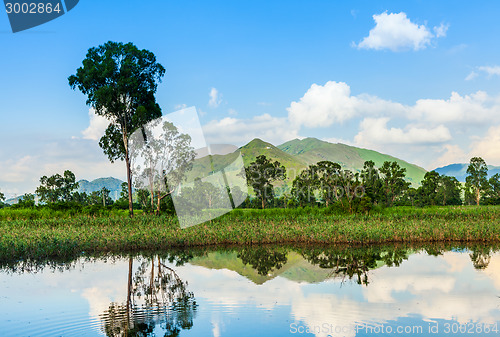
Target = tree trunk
(478,196)
(129,182)
(263,202)
(129,173)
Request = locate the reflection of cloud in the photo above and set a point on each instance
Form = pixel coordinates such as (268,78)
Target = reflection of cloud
(445,287)
(493,270)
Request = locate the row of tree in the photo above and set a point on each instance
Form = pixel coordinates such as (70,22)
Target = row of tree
(327,183)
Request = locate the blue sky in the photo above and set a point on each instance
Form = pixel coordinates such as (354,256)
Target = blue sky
(416,79)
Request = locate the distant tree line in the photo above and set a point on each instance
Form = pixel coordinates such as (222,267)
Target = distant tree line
(324,184)
(327,184)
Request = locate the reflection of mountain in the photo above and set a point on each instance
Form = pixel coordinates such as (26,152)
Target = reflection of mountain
(305,265)
(296,268)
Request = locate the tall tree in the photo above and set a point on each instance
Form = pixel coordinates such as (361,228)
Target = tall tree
(260,176)
(394,183)
(476,181)
(120,82)
(2,197)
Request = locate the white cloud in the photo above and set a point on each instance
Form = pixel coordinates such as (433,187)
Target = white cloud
(21,173)
(331,103)
(394,31)
(98,125)
(495,70)
(180,106)
(488,70)
(471,76)
(451,154)
(477,108)
(441,30)
(488,147)
(231,130)
(215,98)
(374,131)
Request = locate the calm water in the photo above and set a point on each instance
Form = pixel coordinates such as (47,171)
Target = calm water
(270,291)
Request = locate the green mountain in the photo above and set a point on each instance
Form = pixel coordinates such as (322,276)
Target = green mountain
(312,150)
(112,184)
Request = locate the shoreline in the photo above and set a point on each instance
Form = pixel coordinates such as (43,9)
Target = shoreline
(46,238)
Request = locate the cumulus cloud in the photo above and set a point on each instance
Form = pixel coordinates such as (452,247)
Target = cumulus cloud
(215,98)
(333,103)
(374,131)
(231,130)
(395,31)
(488,147)
(21,173)
(476,108)
(98,125)
(430,132)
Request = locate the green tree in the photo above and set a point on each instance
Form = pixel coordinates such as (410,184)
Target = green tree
(371,181)
(260,176)
(120,82)
(26,201)
(449,191)
(328,175)
(428,192)
(492,195)
(304,186)
(393,181)
(57,188)
(476,182)
(2,197)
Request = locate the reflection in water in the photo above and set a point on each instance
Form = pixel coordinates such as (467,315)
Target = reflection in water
(156,296)
(149,294)
(350,262)
(263,259)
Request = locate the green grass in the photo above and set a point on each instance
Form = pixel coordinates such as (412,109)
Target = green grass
(59,237)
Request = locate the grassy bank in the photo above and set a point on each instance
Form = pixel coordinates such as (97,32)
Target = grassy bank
(38,238)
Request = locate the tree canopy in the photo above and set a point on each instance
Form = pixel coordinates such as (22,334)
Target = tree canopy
(57,188)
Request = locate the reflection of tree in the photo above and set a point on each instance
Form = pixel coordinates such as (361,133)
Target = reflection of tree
(156,296)
(263,259)
(350,262)
(480,257)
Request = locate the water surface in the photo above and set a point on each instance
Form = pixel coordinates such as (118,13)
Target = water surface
(260,291)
